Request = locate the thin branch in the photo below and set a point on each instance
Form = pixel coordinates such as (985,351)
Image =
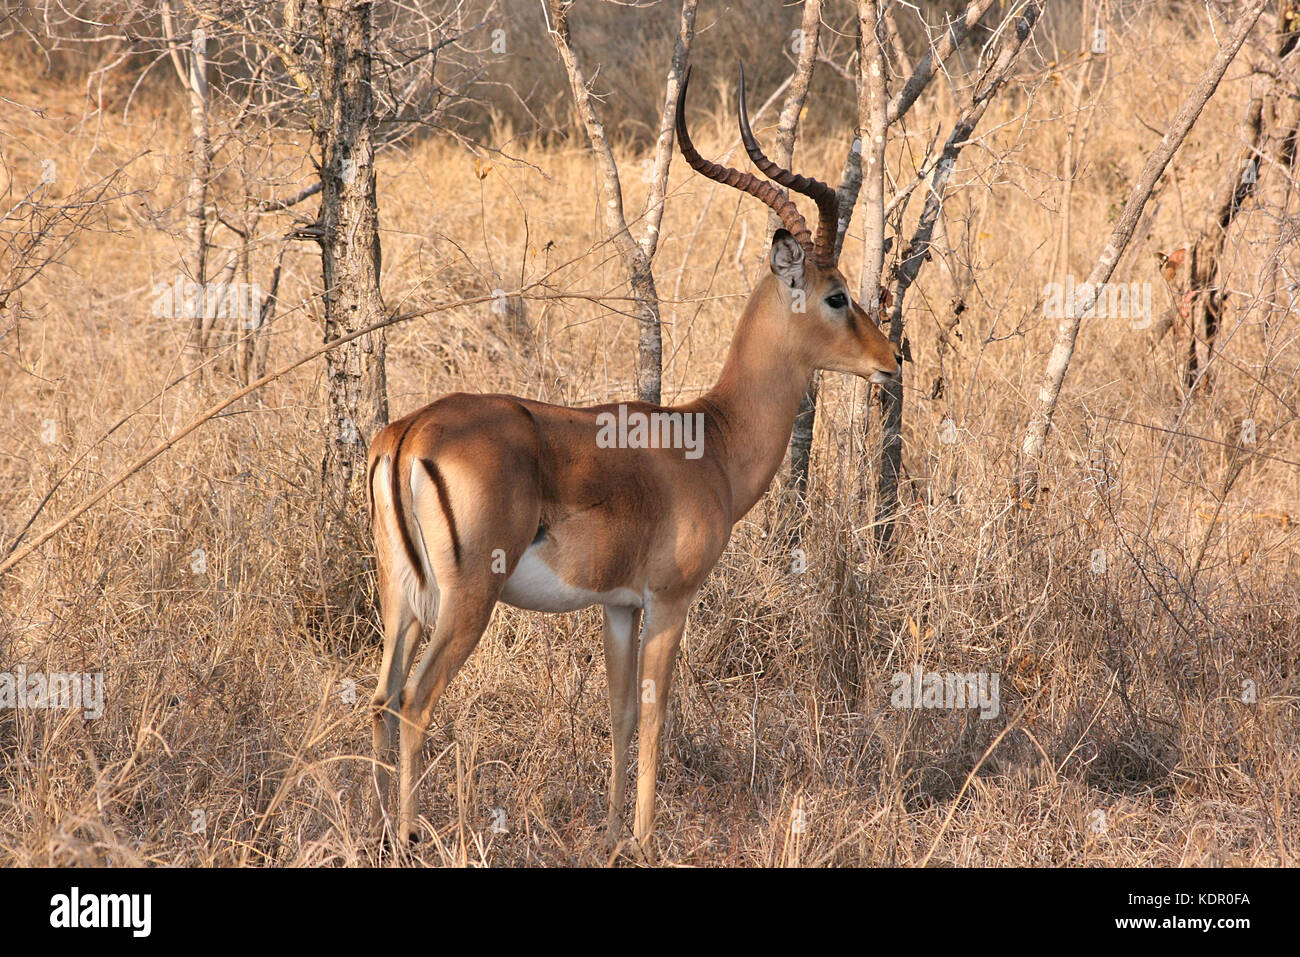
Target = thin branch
(934,57)
(212,412)
(1058,363)
(654,204)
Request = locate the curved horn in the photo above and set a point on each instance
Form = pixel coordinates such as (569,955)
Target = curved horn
(745,182)
(828,206)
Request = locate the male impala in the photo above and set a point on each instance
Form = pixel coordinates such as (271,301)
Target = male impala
(477,499)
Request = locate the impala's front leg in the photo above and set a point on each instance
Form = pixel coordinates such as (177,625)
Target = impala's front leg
(620,667)
(665,622)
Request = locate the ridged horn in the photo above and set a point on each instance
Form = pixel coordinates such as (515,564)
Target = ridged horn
(828,207)
(745,182)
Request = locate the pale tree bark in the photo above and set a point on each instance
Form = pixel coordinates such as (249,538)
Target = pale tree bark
(1070,157)
(873,120)
(871,126)
(796,95)
(919,78)
(1058,362)
(896,41)
(654,214)
(915,256)
(783,154)
(847,192)
(637,256)
(194,78)
(348,232)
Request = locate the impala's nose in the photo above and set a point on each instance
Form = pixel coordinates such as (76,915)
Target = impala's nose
(882,377)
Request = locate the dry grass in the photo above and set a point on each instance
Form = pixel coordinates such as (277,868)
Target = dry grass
(226,691)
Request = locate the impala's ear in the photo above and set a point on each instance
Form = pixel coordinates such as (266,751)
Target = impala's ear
(787,259)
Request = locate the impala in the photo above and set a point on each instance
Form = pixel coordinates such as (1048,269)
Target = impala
(477,499)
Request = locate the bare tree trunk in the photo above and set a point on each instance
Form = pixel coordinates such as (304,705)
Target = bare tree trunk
(934,57)
(1275,139)
(1283,142)
(261,341)
(348,233)
(805,423)
(873,119)
(200,174)
(1058,362)
(875,115)
(1070,158)
(917,252)
(896,41)
(667,127)
(637,256)
(194,78)
(783,154)
(1208,296)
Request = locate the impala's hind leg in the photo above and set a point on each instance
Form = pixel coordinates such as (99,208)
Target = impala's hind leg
(401,627)
(401,637)
(462,619)
(621,643)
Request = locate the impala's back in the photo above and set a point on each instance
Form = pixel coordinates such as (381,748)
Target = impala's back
(549,508)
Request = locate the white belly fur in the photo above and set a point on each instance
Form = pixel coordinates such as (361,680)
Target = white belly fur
(535,587)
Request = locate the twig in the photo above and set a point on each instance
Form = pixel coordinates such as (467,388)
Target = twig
(212,412)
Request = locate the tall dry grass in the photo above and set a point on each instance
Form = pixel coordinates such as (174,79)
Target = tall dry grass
(239,657)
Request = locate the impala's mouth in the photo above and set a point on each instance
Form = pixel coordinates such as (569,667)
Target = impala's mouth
(883,378)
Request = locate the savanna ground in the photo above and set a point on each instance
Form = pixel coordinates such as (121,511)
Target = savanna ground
(235,635)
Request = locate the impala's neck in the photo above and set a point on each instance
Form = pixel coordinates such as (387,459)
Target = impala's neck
(754,403)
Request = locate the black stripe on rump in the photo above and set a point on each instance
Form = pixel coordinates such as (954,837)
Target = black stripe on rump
(444,500)
(408,544)
(370,491)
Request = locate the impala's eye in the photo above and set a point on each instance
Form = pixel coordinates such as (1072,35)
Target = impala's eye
(837,300)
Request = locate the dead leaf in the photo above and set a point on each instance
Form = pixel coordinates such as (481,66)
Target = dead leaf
(1170,264)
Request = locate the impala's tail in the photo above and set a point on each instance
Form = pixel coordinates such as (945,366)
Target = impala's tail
(412,521)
